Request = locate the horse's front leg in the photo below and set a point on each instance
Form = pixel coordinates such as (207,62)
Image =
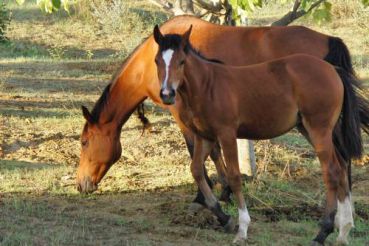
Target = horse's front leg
(199,202)
(216,157)
(202,150)
(228,142)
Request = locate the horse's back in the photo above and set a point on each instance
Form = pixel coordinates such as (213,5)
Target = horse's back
(288,40)
(277,91)
(248,45)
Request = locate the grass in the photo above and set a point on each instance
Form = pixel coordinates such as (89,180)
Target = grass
(53,64)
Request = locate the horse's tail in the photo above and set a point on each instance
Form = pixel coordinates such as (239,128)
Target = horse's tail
(339,55)
(355,114)
(364,114)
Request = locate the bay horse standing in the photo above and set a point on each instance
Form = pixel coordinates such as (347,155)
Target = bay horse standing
(221,103)
(137,80)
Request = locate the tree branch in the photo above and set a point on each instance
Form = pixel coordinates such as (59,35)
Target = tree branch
(189,7)
(162,3)
(294,14)
(167,6)
(211,6)
(296,5)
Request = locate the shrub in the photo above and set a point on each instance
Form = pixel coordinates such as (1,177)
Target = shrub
(125,19)
(4,20)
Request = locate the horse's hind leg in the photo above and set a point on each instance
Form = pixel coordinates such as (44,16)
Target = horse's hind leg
(338,207)
(344,218)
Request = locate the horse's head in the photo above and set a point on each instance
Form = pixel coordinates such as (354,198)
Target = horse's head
(170,60)
(100,149)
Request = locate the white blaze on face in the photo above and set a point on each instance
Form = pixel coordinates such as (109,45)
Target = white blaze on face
(167,57)
(344,220)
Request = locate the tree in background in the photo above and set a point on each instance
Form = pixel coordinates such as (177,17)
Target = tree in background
(229,12)
(235,12)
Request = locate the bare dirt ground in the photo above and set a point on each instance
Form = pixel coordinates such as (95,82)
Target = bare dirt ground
(143,199)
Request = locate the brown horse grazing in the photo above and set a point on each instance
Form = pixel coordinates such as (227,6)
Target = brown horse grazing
(137,80)
(221,103)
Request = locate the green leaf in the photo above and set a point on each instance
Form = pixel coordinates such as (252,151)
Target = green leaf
(233,3)
(56,4)
(365,3)
(251,5)
(304,5)
(48,6)
(258,3)
(321,15)
(20,2)
(328,6)
(247,5)
(66,6)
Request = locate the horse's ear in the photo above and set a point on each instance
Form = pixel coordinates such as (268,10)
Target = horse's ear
(186,35)
(87,115)
(186,39)
(157,35)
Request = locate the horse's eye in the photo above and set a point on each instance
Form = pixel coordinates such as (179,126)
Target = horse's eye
(182,62)
(84,143)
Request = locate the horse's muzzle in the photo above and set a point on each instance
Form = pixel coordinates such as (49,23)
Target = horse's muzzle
(86,185)
(168,96)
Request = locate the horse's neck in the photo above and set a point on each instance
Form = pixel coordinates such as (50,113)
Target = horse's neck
(126,93)
(196,77)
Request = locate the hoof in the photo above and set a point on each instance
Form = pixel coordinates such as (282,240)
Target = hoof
(341,241)
(229,227)
(240,239)
(194,208)
(315,243)
(343,234)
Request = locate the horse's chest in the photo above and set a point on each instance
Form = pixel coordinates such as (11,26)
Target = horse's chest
(196,123)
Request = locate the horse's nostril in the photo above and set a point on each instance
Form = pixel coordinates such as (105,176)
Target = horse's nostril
(161,93)
(86,185)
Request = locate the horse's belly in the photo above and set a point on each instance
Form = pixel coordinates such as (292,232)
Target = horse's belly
(267,128)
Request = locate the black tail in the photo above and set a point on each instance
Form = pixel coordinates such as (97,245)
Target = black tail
(364,113)
(355,113)
(350,120)
(339,56)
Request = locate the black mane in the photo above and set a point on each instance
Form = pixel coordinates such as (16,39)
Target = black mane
(102,101)
(100,104)
(173,41)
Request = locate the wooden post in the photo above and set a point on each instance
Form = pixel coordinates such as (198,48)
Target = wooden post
(246,157)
